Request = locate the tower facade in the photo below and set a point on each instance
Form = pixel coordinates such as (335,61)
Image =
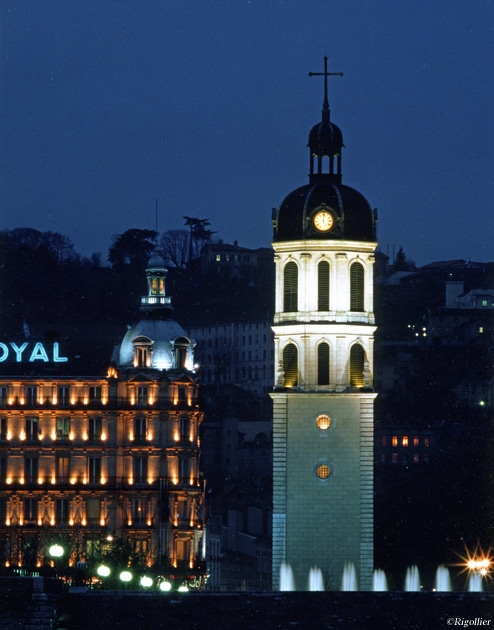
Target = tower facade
(324,242)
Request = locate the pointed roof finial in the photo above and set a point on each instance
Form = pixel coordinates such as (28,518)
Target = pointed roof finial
(325,74)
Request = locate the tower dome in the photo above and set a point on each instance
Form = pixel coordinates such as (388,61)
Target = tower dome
(325,208)
(156,341)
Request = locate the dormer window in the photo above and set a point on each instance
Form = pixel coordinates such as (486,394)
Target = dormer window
(142,352)
(180,347)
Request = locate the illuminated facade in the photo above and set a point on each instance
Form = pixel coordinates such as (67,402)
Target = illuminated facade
(83,459)
(324,243)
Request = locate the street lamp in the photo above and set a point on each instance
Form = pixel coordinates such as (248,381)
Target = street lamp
(125,577)
(56,551)
(103,571)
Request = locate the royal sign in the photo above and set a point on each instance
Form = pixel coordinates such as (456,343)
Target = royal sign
(29,352)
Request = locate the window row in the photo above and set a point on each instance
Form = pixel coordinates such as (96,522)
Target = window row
(291,287)
(404,440)
(180,469)
(62,395)
(291,367)
(32,431)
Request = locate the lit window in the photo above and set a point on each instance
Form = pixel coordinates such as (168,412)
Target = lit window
(322,471)
(290,365)
(139,511)
(394,441)
(63,428)
(357,358)
(323,422)
(404,440)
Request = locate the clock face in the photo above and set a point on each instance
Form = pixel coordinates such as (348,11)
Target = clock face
(323,221)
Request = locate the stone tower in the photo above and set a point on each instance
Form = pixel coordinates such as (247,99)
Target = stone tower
(324,242)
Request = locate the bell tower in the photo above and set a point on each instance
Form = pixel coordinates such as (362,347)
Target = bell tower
(324,242)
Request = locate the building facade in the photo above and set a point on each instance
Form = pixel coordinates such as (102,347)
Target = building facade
(85,460)
(324,243)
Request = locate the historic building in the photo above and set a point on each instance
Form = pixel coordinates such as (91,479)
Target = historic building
(88,459)
(324,242)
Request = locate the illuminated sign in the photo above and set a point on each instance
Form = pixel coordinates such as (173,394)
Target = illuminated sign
(37,352)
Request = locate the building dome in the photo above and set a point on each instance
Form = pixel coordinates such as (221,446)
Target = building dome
(157,342)
(354,219)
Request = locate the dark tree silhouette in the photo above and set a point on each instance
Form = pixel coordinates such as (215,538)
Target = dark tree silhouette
(133,247)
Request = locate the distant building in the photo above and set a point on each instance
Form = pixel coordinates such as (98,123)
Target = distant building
(236,352)
(85,459)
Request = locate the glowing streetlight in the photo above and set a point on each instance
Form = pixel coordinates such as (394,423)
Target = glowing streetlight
(146,581)
(126,576)
(56,551)
(103,571)
(165,586)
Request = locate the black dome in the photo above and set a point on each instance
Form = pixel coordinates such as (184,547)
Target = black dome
(354,219)
(325,138)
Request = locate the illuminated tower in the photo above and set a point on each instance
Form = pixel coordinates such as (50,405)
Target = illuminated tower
(324,242)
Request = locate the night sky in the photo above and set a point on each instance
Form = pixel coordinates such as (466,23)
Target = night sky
(206,106)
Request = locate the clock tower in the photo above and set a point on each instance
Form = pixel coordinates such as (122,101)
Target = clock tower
(324,242)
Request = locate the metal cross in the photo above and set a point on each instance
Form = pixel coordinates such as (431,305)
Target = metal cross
(326,74)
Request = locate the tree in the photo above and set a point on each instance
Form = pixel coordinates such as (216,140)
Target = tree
(174,245)
(199,235)
(401,262)
(133,247)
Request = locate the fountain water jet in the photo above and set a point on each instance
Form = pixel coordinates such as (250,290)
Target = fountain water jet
(287,582)
(349,580)
(412,579)
(443,580)
(316,583)
(475,583)
(379,582)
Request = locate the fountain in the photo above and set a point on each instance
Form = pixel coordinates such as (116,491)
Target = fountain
(316,583)
(443,580)
(412,579)
(349,580)
(379,582)
(475,583)
(287,583)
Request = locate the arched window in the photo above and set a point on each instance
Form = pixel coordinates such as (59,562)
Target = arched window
(290,287)
(323,364)
(323,286)
(357,357)
(290,365)
(356,287)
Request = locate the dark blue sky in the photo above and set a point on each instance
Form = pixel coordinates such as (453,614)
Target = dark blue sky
(206,105)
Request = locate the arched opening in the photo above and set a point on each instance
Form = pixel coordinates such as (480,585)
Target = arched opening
(323,286)
(323,364)
(357,358)
(290,287)
(290,365)
(356,287)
